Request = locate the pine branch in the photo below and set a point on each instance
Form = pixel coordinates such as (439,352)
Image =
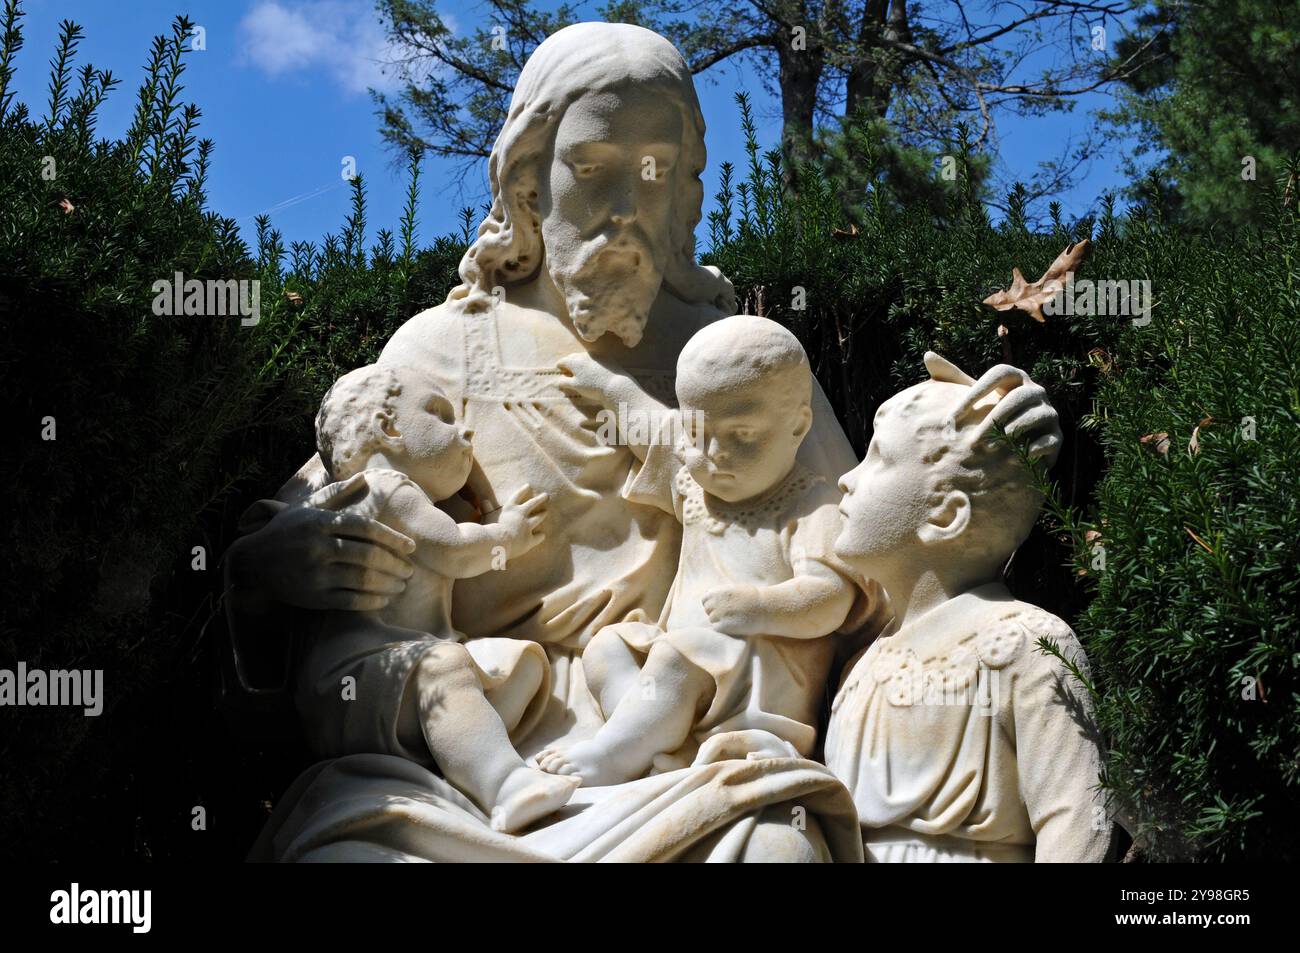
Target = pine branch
(11,41)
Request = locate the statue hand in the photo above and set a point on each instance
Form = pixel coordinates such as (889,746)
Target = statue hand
(735,610)
(1024,413)
(522,517)
(587,378)
(318,559)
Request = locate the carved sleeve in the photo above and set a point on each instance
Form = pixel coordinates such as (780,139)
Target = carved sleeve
(1058,753)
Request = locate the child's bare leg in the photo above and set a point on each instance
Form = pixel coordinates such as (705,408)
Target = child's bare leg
(611,667)
(655,716)
(469,741)
(511,699)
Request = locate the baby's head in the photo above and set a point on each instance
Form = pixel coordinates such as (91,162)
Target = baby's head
(746,380)
(395,417)
(937,485)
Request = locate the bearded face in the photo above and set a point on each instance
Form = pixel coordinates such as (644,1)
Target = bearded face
(608,283)
(606,208)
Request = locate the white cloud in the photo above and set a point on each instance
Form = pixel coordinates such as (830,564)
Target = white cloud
(341,38)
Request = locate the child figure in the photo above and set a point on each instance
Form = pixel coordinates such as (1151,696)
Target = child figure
(741,643)
(959,739)
(398,680)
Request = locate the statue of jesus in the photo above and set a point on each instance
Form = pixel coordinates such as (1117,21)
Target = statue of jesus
(589,245)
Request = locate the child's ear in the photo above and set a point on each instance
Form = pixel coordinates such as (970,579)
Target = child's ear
(947,520)
(803,422)
(386,424)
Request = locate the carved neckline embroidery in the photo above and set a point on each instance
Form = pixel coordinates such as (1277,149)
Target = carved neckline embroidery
(905,677)
(488,377)
(717,515)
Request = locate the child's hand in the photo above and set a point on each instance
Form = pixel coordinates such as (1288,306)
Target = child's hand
(521,518)
(735,610)
(585,377)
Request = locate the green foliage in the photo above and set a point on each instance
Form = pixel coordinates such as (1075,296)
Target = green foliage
(1192,629)
(1190,552)
(166,426)
(1219,84)
(867,158)
(1198,590)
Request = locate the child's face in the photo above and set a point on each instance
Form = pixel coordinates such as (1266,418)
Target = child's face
(888,496)
(749,440)
(436,452)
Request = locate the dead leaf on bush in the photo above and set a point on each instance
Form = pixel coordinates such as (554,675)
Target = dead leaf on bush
(1030,296)
(1159,442)
(1200,542)
(1099,357)
(1194,445)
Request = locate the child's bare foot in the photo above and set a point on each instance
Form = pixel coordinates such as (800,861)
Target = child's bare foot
(587,760)
(527,795)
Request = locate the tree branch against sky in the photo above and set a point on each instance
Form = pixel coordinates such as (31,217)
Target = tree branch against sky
(922,65)
(1218,109)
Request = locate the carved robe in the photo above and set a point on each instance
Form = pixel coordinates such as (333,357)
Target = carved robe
(961,741)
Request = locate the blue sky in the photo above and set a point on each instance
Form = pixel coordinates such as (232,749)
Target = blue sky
(282,85)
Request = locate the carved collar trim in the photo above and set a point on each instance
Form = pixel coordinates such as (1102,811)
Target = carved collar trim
(698,506)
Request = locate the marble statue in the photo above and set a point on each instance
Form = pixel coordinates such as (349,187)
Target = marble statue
(742,638)
(586,259)
(958,738)
(388,439)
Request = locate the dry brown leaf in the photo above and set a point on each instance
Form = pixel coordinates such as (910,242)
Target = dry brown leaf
(1159,442)
(1194,445)
(293,298)
(1200,542)
(1030,296)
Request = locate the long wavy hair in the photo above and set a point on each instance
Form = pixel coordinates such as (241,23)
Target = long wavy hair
(584,58)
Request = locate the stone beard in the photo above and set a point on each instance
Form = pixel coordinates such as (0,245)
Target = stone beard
(609,284)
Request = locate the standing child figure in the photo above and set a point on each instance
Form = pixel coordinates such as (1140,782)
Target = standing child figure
(959,739)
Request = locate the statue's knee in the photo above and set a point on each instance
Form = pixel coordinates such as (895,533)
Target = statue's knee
(602,645)
(794,840)
(667,659)
(605,655)
(528,674)
(446,661)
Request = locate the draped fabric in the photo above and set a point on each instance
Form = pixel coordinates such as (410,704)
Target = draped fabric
(382,808)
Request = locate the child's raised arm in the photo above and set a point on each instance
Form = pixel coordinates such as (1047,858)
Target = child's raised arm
(463,550)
